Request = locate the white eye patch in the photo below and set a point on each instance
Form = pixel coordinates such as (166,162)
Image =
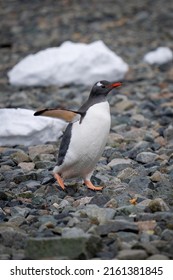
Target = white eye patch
(99,84)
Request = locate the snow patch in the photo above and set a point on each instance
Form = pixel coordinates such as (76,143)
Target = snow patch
(20,127)
(71,63)
(159,56)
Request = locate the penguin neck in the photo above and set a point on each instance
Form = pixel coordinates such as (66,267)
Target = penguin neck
(92,100)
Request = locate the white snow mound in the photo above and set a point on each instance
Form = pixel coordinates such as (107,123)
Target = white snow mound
(159,56)
(20,127)
(71,63)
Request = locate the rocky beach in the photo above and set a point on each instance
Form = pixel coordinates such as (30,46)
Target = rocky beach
(132,217)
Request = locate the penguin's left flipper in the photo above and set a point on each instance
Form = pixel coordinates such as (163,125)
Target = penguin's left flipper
(63,114)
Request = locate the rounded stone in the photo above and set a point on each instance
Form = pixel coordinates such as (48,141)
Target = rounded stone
(132,255)
(146,157)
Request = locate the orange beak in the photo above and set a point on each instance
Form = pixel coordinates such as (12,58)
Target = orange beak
(114,85)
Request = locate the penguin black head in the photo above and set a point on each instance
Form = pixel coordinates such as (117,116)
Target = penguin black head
(102,88)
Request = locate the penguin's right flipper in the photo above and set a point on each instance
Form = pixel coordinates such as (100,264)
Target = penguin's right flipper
(63,114)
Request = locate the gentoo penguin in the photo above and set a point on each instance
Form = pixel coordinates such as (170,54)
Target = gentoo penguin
(85,137)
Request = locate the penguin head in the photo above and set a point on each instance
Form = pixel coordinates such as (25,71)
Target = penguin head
(102,88)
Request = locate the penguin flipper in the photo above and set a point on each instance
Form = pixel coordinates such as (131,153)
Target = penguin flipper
(63,114)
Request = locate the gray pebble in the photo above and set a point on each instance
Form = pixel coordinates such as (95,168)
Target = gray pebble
(146,157)
(132,255)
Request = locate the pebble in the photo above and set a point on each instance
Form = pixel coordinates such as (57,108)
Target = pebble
(158,204)
(27,166)
(158,257)
(127,173)
(97,213)
(41,149)
(20,156)
(117,225)
(132,255)
(18,211)
(119,164)
(167,235)
(146,157)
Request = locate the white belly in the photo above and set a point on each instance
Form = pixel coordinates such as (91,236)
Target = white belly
(88,140)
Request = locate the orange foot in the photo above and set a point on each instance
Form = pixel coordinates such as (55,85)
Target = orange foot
(91,186)
(60,181)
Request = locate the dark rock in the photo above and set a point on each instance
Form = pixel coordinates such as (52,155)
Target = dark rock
(128,237)
(138,148)
(157,205)
(25,177)
(139,184)
(44,164)
(12,237)
(167,235)
(20,211)
(3,196)
(148,247)
(117,225)
(62,248)
(99,199)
